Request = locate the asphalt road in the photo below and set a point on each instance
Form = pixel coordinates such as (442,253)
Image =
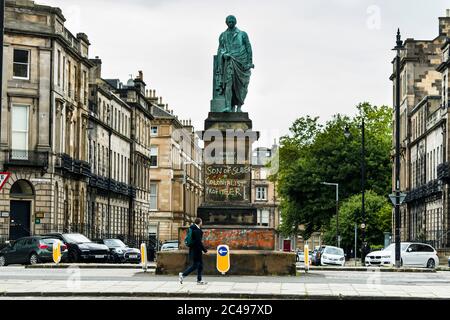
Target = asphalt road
(440,278)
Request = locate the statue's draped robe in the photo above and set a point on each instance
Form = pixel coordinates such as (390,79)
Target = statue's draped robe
(234,72)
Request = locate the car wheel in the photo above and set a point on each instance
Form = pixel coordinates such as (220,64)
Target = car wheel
(3,261)
(431,264)
(73,256)
(33,259)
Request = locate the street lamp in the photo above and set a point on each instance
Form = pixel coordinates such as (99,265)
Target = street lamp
(338,237)
(399,47)
(363,186)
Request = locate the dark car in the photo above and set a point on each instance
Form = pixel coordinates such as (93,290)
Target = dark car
(81,248)
(120,252)
(315,257)
(30,250)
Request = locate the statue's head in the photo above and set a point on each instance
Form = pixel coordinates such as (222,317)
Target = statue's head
(231,21)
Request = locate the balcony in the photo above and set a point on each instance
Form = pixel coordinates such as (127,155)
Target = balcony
(26,158)
(73,166)
(106,184)
(443,171)
(432,188)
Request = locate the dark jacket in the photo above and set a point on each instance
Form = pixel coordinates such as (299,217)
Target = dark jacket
(197,245)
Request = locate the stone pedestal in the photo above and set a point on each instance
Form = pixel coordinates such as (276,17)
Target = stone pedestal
(227,212)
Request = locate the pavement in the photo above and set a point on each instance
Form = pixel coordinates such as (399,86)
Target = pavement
(76,283)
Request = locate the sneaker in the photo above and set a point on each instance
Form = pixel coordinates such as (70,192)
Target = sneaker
(180,277)
(202,282)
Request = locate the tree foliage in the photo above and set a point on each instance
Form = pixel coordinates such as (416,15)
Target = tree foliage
(313,153)
(378,213)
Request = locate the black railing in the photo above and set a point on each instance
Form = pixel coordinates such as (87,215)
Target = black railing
(431,188)
(26,158)
(77,167)
(443,171)
(106,184)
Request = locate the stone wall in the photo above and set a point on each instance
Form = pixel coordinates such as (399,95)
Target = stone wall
(242,262)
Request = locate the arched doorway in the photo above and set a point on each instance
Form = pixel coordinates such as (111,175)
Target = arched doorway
(22,195)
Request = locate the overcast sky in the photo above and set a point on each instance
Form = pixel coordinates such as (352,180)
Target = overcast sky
(316,57)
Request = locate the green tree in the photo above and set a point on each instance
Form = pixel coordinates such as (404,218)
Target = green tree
(378,213)
(313,153)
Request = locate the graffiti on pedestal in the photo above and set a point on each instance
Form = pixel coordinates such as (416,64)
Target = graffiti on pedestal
(227,183)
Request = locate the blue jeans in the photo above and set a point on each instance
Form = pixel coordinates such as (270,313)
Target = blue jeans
(198,264)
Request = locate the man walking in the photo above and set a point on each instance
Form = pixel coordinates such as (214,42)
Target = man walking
(196,250)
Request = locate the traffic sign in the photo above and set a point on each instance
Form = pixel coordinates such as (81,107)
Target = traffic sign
(393,197)
(363,225)
(223,258)
(4,176)
(144,256)
(57,251)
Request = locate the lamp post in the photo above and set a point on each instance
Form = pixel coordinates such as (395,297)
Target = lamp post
(399,47)
(2,29)
(363,187)
(338,237)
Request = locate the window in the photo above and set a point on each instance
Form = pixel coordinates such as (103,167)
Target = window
(153,196)
(59,68)
(64,74)
(19,134)
(154,131)
(154,156)
(263,217)
(261,193)
(21,68)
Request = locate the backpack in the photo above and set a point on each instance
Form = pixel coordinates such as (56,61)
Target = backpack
(188,240)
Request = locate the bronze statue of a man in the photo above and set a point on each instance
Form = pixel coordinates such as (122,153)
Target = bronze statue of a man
(234,61)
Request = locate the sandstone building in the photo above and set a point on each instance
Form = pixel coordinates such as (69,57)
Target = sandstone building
(424,138)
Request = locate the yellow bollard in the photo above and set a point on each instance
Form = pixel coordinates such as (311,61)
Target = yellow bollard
(223,259)
(57,251)
(306,253)
(144,257)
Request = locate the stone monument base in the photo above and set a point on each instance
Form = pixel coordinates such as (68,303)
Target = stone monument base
(243,263)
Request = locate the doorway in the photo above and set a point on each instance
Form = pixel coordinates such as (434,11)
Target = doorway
(287,245)
(20,219)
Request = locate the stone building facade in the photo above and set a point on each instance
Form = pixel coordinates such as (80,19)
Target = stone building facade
(175,174)
(424,140)
(133,94)
(109,148)
(43,121)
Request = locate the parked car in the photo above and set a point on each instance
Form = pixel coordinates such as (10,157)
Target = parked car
(169,246)
(332,255)
(412,254)
(30,250)
(315,256)
(120,252)
(300,256)
(81,248)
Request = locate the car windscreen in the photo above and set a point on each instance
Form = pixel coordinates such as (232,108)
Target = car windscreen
(76,238)
(336,251)
(49,240)
(170,245)
(114,243)
(392,247)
